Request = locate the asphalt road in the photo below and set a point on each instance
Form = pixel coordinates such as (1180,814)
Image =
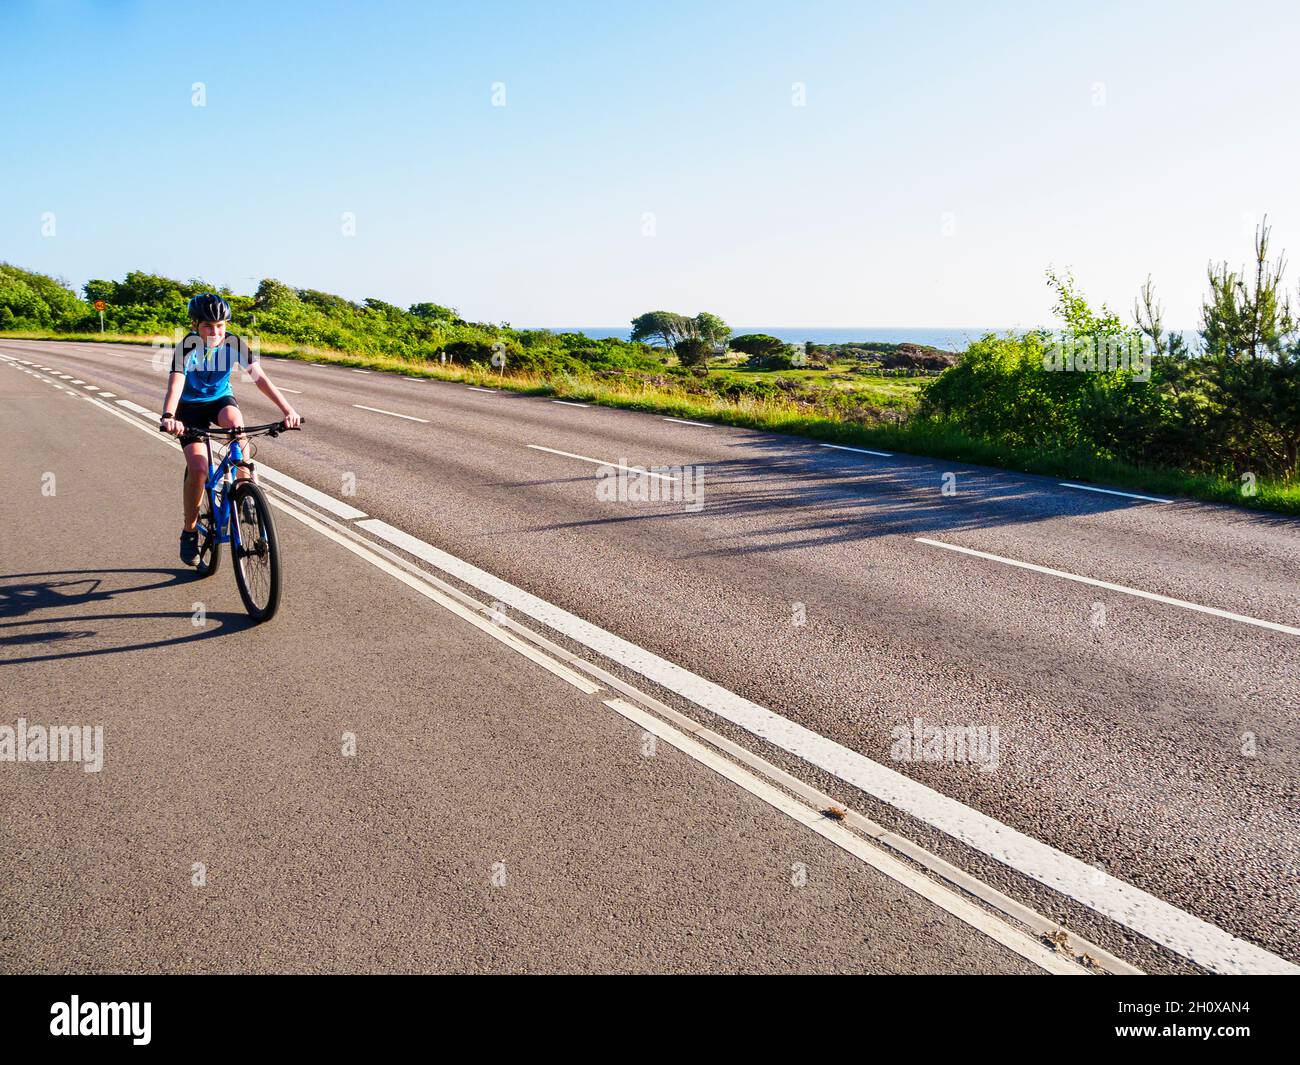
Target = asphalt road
(1154,740)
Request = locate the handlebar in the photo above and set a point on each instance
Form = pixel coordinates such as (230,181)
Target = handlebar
(272,429)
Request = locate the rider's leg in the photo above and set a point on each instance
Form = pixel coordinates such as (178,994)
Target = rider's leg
(196,469)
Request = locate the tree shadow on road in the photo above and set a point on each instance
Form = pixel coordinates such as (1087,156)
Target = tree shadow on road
(38,602)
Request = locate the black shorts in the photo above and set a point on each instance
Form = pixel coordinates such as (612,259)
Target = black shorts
(202,414)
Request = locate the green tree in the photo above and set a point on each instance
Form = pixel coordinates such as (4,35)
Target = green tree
(692,351)
(712,330)
(666,326)
(760,344)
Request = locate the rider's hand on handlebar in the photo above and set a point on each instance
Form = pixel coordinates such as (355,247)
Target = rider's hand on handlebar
(171,425)
(292,419)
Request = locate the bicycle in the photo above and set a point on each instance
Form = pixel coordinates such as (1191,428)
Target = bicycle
(235,511)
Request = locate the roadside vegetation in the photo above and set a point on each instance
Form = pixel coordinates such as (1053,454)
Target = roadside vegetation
(1221,423)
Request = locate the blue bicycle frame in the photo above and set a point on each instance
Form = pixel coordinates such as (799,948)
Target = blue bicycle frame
(221,476)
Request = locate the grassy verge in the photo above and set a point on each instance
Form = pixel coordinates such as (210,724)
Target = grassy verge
(783,415)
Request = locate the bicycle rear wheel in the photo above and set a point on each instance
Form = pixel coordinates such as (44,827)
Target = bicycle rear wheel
(256,555)
(209,546)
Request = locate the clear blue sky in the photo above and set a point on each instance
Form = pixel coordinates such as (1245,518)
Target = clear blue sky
(1116,139)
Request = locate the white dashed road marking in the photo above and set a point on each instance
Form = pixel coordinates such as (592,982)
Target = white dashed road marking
(392,413)
(602,462)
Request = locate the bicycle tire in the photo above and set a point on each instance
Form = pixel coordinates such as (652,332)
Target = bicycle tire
(257,559)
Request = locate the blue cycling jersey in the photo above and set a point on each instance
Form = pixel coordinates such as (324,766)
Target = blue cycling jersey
(207,370)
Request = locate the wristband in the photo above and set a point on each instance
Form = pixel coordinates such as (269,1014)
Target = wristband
(168,414)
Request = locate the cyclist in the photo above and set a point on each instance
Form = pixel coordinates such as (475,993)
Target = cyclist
(199,393)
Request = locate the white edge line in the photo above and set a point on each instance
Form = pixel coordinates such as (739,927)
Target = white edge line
(580,682)
(859,450)
(683,421)
(945,898)
(1112,492)
(602,462)
(475,388)
(569,403)
(1153,596)
(995,928)
(392,413)
(1183,933)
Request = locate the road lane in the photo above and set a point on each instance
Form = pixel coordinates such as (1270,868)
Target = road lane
(1123,737)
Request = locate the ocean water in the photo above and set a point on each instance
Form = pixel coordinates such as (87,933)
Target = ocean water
(949,339)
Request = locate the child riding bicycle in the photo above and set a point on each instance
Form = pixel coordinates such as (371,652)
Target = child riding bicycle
(199,393)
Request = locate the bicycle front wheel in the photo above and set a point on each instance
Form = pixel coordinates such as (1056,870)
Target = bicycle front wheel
(256,555)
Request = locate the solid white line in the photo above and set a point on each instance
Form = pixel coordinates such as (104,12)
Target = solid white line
(1181,932)
(326,502)
(295,391)
(1112,492)
(475,388)
(137,408)
(1154,597)
(683,421)
(602,462)
(859,450)
(570,403)
(548,663)
(943,897)
(392,413)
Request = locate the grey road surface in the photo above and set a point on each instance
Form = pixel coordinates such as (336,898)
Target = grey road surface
(492,819)
(1156,741)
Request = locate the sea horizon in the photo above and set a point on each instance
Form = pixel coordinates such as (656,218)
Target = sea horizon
(948,338)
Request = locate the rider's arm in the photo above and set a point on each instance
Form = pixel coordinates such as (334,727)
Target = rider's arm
(272,393)
(175,385)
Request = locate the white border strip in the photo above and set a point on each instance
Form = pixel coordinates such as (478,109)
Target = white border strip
(1290,630)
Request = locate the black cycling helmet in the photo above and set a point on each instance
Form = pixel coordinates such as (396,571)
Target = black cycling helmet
(209,307)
